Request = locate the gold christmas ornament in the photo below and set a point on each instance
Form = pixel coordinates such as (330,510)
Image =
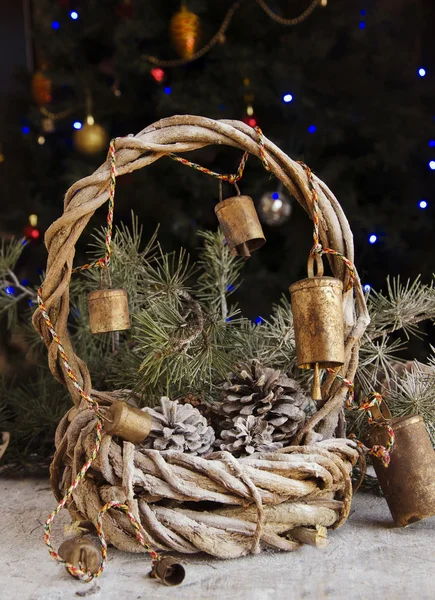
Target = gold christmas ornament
(169,571)
(185,32)
(318,322)
(127,422)
(91,138)
(408,483)
(82,552)
(239,221)
(41,88)
(108,311)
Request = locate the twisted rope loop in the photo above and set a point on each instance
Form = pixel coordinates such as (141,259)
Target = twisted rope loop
(373,399)
(94,407)
(317,247)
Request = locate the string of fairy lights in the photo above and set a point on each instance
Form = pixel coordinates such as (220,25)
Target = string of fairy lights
(277,199)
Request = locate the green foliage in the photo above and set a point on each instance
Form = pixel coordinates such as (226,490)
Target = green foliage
(186,337)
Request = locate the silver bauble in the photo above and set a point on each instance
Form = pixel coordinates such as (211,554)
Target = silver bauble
(274,208)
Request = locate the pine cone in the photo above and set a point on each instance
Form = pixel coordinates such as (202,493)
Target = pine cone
(266,393)
(179,427)
(247,435)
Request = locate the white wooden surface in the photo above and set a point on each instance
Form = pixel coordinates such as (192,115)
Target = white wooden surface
(366,559)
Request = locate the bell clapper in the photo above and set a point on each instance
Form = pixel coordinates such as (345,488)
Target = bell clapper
(316,393)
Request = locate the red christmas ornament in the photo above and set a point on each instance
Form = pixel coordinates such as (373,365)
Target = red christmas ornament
(31,233)
(41,89)
(251,121)
(158,74)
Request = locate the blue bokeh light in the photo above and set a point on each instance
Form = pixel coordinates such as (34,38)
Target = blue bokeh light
(422,204)
(25,129)
(373,238)
(287,98)
(362,24)
(167,90)
(258,321)
(77,124)
(422,72)
(312,129)
(55,25)
(432,165)
(25,282)
(230,288)
(275,196)
(431,143)
(10,290)
(74,15)
(367,287)
(363,12)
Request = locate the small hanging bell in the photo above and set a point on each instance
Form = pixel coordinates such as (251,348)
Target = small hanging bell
(82,552)
(408,483)
(318,322)
(168,570)
(108,311)
(127,422)
(239,221)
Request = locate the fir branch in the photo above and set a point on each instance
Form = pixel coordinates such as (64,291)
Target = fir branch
(220,272)
(404,306)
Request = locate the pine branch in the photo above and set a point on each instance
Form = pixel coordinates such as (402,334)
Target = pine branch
(220,272)
(403,307)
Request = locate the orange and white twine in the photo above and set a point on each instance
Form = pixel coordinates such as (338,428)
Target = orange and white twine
(317,246)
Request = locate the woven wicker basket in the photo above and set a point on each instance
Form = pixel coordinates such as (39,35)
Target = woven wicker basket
(221,505)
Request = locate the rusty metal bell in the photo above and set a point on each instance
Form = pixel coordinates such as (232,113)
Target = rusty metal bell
(317,308)
(108,311)
(408,483)
(82,552)
(127,422)
(239,222)
(169,571)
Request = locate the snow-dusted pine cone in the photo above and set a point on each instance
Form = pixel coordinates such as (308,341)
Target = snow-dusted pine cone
(267,393)
(247,435)
(179,427)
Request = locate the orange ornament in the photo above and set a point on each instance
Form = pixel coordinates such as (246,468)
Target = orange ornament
(41,88)
(185,32)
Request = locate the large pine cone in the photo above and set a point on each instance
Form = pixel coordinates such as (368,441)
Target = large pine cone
(267,394)
(179,427)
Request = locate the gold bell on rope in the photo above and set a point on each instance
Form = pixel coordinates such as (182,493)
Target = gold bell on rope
(127,422)
(168,570)
(82,552)
(239,221)
(108,311)
(318,322)
(408,483)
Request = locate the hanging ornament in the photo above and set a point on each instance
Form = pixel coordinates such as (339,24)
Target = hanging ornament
(184,30)
(318,322)
(91,138)
(274,208)
(408,483)
(248,97)
(239,222)
(41,88)
(108,311)
(31,232)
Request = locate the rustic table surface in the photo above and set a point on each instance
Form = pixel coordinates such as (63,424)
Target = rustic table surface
(368,558)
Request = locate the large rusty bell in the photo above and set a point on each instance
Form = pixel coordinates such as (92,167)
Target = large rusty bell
(239,222)
(127,422)
(317,308)
(108,311)
(408,483)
